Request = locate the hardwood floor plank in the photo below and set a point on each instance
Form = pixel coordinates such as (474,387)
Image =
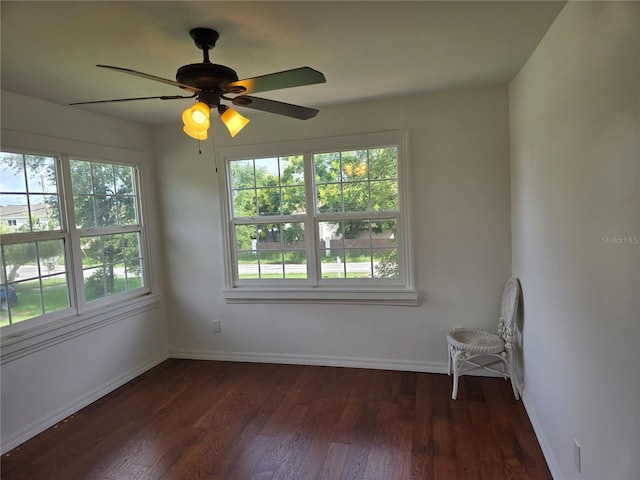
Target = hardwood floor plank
(241,448)
(221,430)
(205,420)
(322,417)
(278,420)
(343,432)
(283,445)
(360,441)
(464,435)
(172,420)
(380,452)
(248,459)
(434,449)
(208,413)
(423,439)
(401,438)
(333,462)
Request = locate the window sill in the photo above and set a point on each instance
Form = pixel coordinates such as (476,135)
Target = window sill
(355,296)
(25,342)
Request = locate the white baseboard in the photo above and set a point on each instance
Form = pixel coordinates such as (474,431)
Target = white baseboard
(50,420)
(542,439)
(320,360)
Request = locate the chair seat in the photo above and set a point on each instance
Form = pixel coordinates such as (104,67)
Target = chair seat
(476,341)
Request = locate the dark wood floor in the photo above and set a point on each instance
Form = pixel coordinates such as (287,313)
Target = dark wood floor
(221,420)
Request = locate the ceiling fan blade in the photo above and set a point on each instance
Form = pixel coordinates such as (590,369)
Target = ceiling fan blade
(272,106)
(296,77)
(152,77)
(161,97)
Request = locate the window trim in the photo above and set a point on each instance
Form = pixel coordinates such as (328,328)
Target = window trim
(396,292)
(79,308)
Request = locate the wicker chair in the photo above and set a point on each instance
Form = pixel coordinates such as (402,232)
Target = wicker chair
(465,345)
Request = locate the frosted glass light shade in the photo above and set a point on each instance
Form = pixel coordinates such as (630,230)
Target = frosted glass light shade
(233,121)
(196,117)
(194,134)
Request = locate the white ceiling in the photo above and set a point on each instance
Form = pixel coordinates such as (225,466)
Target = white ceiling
(366,50)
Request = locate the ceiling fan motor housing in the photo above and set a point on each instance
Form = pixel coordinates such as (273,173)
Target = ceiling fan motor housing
(206,76)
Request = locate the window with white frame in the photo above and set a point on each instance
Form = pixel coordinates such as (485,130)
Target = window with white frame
(79,239)
(319,220)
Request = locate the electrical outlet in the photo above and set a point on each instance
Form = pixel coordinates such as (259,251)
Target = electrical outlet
(216,326)
(576,454)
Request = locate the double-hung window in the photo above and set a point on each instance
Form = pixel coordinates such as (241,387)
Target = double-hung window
(72,236)
(321,220)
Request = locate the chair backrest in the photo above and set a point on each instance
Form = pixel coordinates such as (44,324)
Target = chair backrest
(508,311)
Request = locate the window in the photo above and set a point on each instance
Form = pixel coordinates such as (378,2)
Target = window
(77,237)
(319,220)
(108,228)
(268,202)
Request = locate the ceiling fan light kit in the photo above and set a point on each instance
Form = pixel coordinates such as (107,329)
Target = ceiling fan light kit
(209,84)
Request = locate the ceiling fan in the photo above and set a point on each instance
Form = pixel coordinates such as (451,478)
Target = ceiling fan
(210,83)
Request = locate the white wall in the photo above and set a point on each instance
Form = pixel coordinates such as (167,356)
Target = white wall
(50,372)
(575,125)
(461,217)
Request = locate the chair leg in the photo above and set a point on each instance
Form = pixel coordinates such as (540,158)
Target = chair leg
(449,361)
(454,359)
(513,381)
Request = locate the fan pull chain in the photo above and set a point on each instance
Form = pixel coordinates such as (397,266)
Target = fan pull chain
(215,157)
